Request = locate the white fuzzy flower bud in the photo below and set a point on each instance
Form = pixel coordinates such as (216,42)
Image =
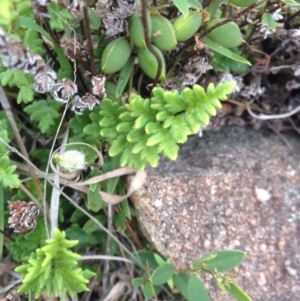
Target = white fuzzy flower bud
(71,160)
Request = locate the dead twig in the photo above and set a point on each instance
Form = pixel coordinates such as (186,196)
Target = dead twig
(270,117)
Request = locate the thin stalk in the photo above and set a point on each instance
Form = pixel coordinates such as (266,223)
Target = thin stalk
(243,12)
(143,18)
(288,21)
(89,39)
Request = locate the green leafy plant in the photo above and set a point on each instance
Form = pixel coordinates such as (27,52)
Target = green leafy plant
(45,112)
(128,99)
(23,246)
(187,281)
(53,269)
(144,128)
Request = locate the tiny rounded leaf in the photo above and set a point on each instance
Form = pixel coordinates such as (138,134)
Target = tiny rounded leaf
(225,260)
(149,64)
(196,290)
(227,35)
(136,29)
(186,27)
(115,56)
(163,33)
(162,274)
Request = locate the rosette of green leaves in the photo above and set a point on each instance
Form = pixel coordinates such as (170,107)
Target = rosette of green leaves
(53,269)
(145,128)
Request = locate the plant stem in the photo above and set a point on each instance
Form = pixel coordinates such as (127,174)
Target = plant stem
(143,18)
(287,22)
(243,12)
(89,39)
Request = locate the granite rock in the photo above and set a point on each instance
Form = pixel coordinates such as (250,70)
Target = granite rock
(232,189)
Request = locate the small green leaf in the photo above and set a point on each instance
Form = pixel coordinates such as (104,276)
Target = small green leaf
(110,89)
(20,79)
(181,280)
(135,135)
(26,94)
(147,258)
(125,157)
(138,147)
(170,149)
(109,134)
(148,290)
(226,34)
(198,264)
(124,127)
(136,282)
(6,12)
(95,21)
(45,112)
(155,139)
(150,155)
(124,76)
(115,55)
(90,227)
(192,122)
(225,260)
(182,5)
(34,42)
(269,21)
(194,4)
(141,121)
(118,146)
(153,127)
(225,64)
(159,259)
(196,290)
(173,102)
(237,292)
(58,16)
(213,7)
(149,64)
(163,115)
(94,199)
(162,274)
(7,176)
(7,76)
(224,51)
(179,129)
(292,4)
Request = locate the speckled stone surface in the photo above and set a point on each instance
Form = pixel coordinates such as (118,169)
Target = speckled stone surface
(233,189)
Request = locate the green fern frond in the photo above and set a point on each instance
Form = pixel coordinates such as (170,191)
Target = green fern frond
(145,128)
(110,111)
(45,112)
(53,269)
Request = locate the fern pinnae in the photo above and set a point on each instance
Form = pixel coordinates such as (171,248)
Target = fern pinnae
(145,128)
(138,147)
